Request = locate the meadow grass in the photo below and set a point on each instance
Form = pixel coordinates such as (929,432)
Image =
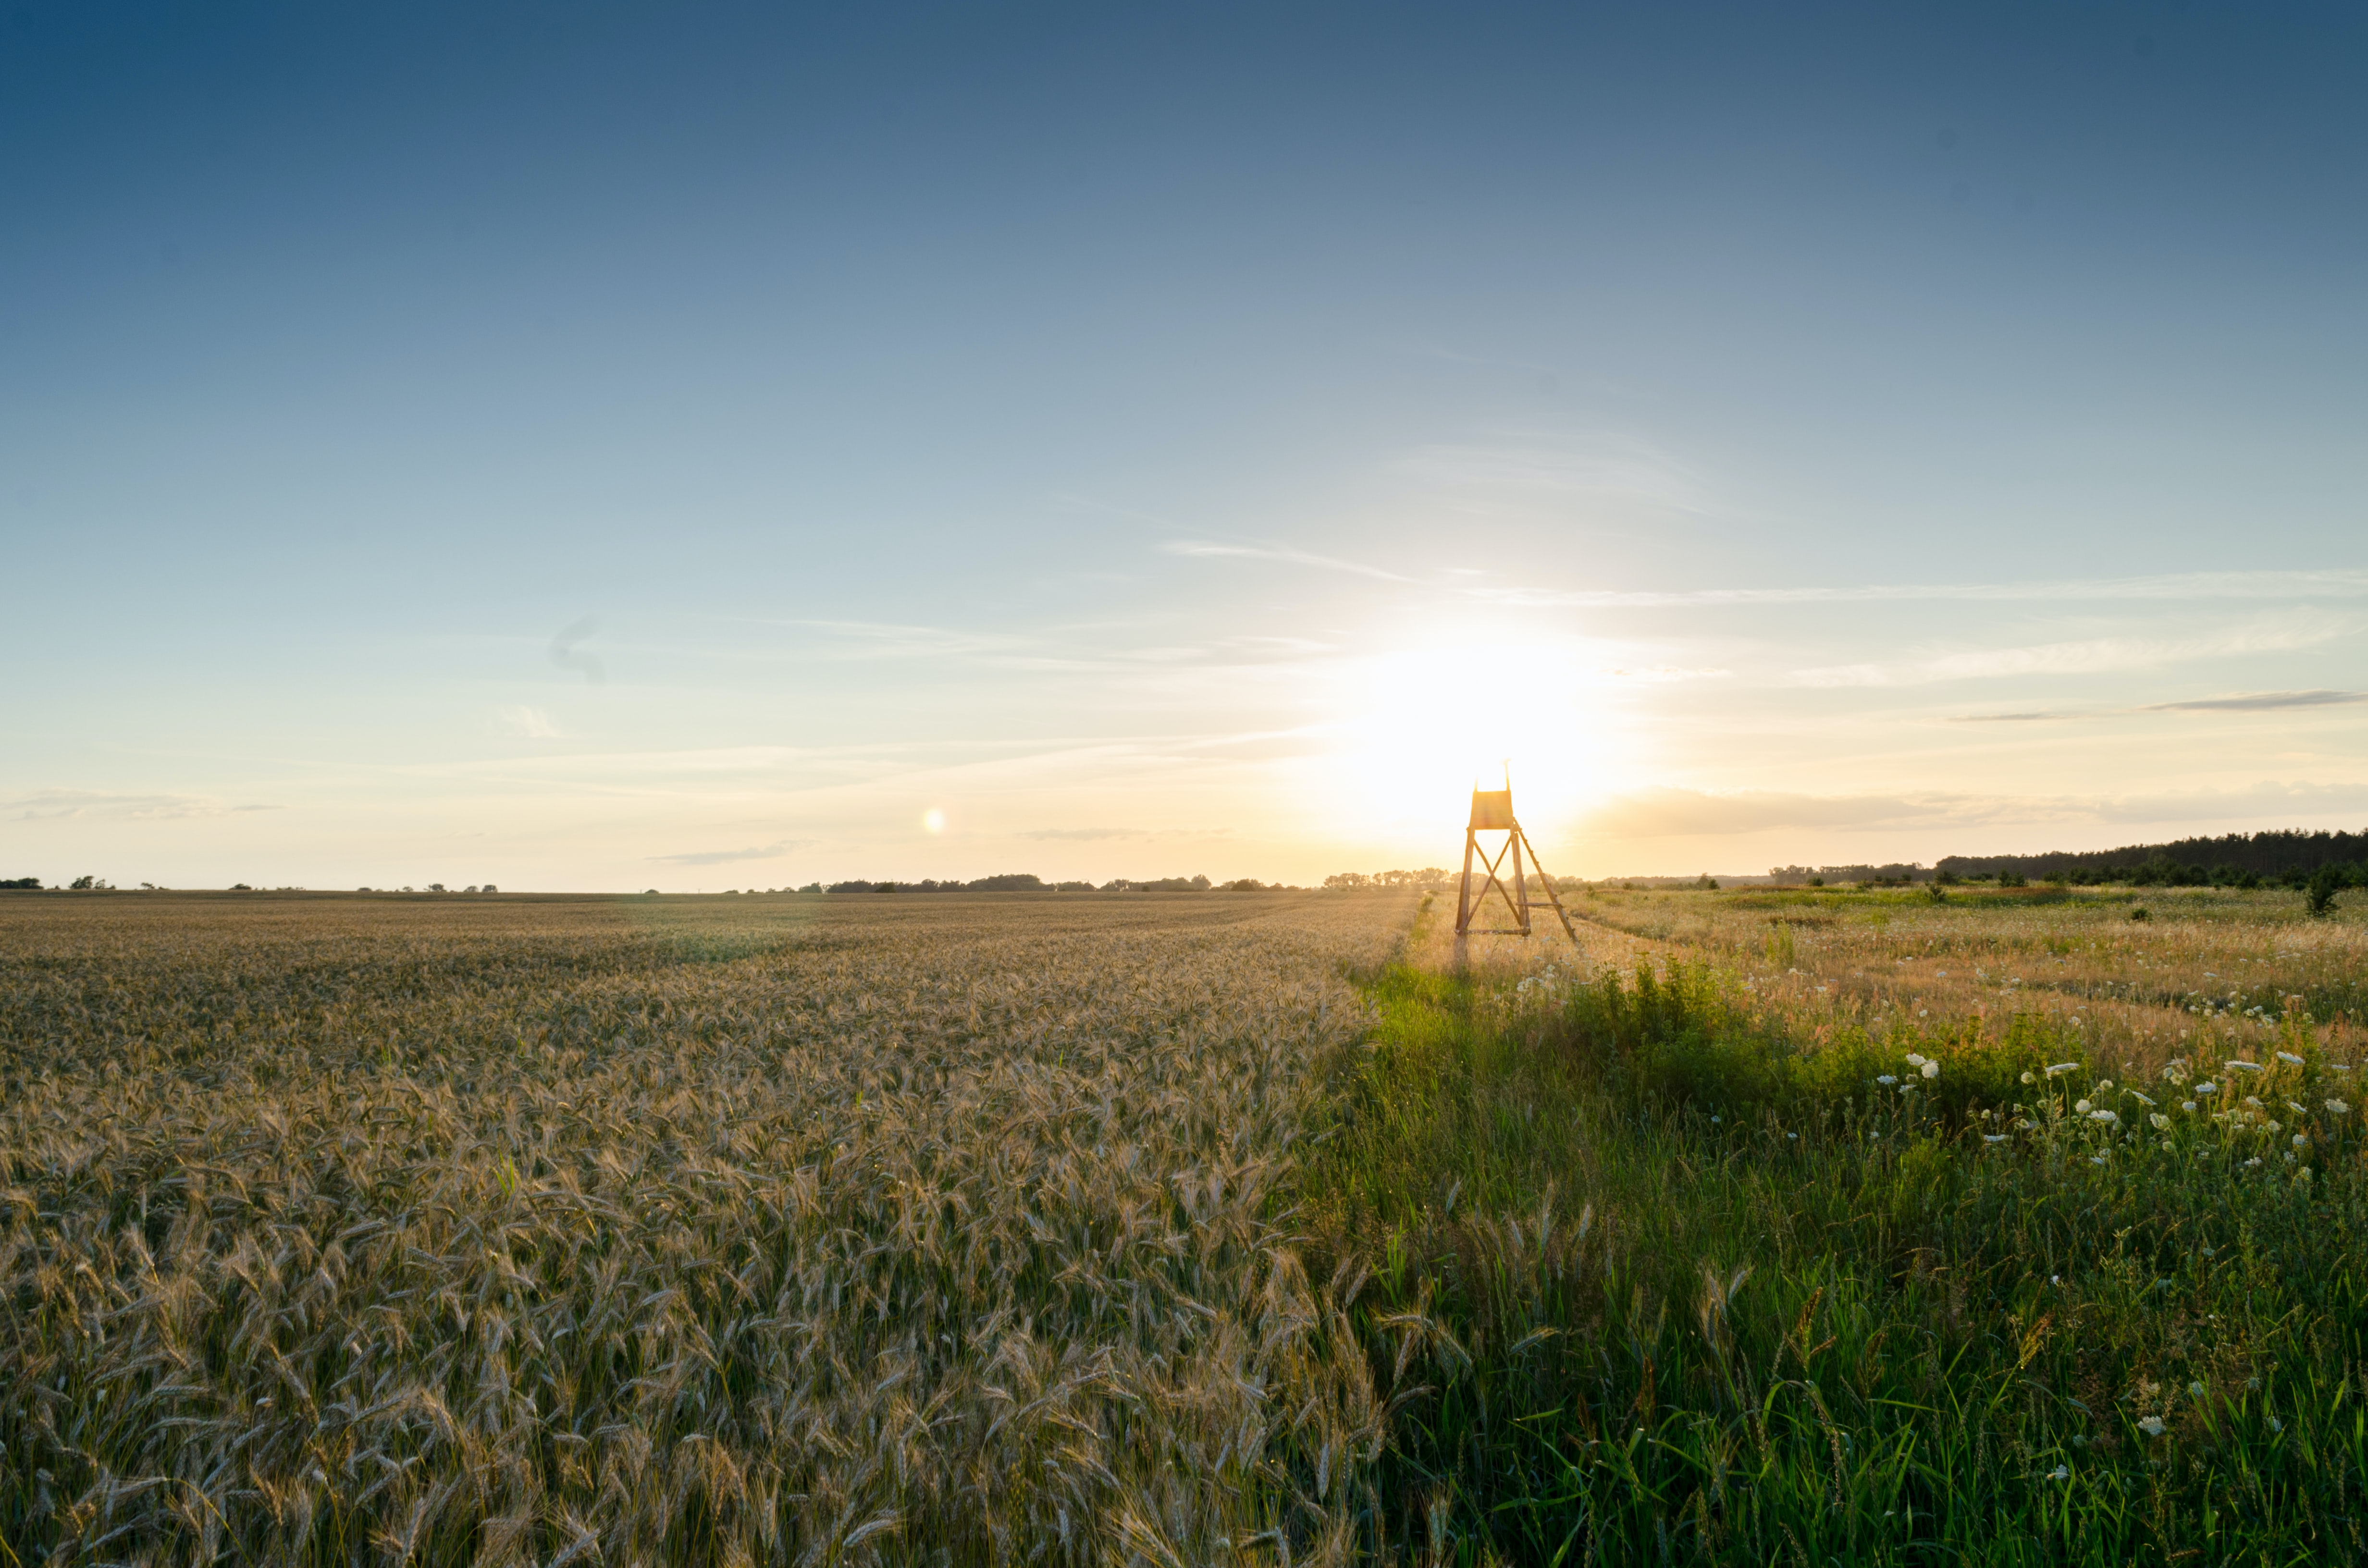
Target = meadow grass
(1666,1270)
(1171,1229)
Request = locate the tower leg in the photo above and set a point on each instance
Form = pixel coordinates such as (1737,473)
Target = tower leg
(1520,883)
(1463,890)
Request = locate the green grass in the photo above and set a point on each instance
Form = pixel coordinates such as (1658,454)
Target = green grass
(1651,1286)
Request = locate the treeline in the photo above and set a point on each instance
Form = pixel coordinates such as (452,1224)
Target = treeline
(1896,871)
(2288,856)
(1027,881)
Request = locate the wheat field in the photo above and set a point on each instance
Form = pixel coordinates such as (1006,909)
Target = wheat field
(657,1232)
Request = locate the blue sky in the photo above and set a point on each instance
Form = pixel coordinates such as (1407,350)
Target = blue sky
(607,446)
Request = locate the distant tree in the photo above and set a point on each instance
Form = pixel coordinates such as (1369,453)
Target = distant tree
(81,884)
(1244,884)
(490,888)
(649,893)
(1343,881)
(436,887)
(242,887)
(21,884)
(1009,881)
(2322,889)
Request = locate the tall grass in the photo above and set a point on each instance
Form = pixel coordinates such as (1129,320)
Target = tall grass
(1658,1281)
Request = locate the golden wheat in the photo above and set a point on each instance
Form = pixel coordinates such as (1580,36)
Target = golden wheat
(628,1233)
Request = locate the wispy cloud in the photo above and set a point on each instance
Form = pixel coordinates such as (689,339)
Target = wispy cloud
(725,857)
(51,804)
(1213,548)
(1095,834)
(2185,586)
(2092,656)
(567,655)
(2014,718)
(1530,470)
(2260,701)
(533,723)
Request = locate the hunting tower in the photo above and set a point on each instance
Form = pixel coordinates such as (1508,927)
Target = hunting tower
(1492,811)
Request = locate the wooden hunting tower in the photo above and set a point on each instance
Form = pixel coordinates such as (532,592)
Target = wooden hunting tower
(1492,811)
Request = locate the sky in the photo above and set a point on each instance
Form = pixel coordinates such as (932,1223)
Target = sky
(603,447)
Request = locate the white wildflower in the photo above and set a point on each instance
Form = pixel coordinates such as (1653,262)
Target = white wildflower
(1993,1137)
(2081,1106)
(2151,1426)
(2338,1107)
(2161,1122)
(1931,1069)
(1886,1079)
(2289,1056)
(2242,1066)
(2055,1067)
(2187,1104)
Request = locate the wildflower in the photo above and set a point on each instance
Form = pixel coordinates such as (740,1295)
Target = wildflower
(2081,1106)
(2103,1083)
(2251,1163)
(2096,1159)
(2293,1107)
(2137,1097)
(1931,1069)
(2028,1077)
(2338,1107)
(2114,1117)
(2242,1066)
(2161,1122)
(2275,1424)
(2196,1389)
(2253,1100)
(2061,1472)
(1923,1012)
(2151,1426)
(2187,1104)
(2055,1067)
(1993,1137)
(2302,1140)
(1886,1079)
(1914,1060)
(2207,1088)
(2289,1056)
(2303,1175)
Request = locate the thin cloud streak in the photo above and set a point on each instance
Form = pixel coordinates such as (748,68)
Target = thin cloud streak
(724,857)
(2094,656)
(2172,586)
(2259,703)
(1210,549)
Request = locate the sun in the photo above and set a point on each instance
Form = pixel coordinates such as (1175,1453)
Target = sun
(1422,725)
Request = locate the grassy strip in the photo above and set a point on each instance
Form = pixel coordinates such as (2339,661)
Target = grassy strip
(1654,1287)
